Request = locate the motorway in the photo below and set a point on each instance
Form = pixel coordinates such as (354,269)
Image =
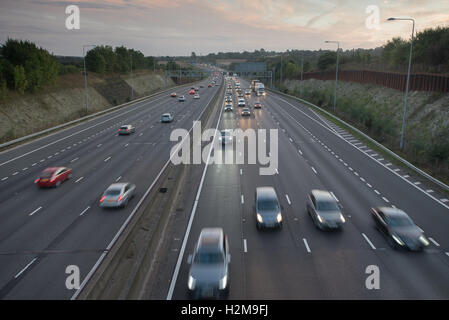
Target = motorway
(43,231)
(300,261)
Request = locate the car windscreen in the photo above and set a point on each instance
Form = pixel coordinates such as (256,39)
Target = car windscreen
(399,221)
(46,174)
(268,205)
(209,257)
(113,192)
(327,206)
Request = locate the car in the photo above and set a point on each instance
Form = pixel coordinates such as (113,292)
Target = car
(173,94)
(241,102)
(126,129)
(225,136)
(53,177)
(166,117)
(228,107)
(209,265)
(268,209)
(117,195)
(201,86)
(257,105)
(228,99)
(197,96)
(182,98)
(197,89)
(399,228)
(248,92)
(217,84)
(324,210)
(209,85)
(192,91)
(246,112)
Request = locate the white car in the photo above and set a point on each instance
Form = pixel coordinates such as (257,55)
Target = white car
(197,96)
(241,103)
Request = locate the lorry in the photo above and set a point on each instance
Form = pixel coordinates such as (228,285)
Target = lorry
(260,89)
(253,84)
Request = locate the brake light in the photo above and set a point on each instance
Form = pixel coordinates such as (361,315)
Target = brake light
(102,198)
(37,180)
(119,198)
(53,180)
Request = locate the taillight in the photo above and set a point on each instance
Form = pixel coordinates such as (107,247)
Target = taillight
(102,198)
(119,198)
(53,180)
(127,129)
(119,129)
(37,180)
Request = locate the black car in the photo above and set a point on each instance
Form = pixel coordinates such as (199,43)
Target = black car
(400,230)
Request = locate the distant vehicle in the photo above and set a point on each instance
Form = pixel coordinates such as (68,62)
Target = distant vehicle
(201,86)
(257,105)
(192,91)
(253,84)
(209,85)
(126,129)
(228,107)
(241,102)
(400,230)
(228,99)
(173,94)
(182,98)
(53,177)
(209,270)
(248,92)
(197,96)
(217,84)
(246,112)
(324,211)
(197,89)
(268,209)
(166,117)
(117,195)
(260,89)
(225,136)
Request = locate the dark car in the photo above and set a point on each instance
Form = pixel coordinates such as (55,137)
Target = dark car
(268,209)
(53,177)
(324,210)
(126,129)
(400,230)
(209,270)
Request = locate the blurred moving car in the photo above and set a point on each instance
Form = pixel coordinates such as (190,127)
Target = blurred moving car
(166,117)
(173,94)
(209,85)
(257,105)
(228,107)
(246,112)
(324,210)
(197,96)
(53,177)
(192,91)
(126,129)
(268,209)
(399,228)
(117,195)
(248,92)
(182,99)
(225,136)
(209,270)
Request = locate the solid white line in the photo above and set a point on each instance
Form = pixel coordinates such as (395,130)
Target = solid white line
(307,245)
(245,248)
(79,180)
(35,211)
(288,199)
(84,211)
(434,242)
(26,267)
(333,195)
(369,242)
(314,170)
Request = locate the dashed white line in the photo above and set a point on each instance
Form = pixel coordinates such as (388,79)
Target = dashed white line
(118,179)
(15,173)
(35,211)
(307,245)
(26,168)
(369,242)
(242,198)
(288,199)
(3,179)
(107,159)
(377,192)
(245,247)
(73,160)
(417,183)
(434,242)
(386,200)
(79,179)
(84,211)
(313,169)
(241,171)
(300,152)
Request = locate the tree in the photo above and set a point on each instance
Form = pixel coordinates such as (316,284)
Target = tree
(327,59)
(20,81)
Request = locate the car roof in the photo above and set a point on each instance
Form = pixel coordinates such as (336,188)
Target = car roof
(322,195)
(390,212)
(119,185)
(53,169)
(265,192)
(210,238)
(166,114)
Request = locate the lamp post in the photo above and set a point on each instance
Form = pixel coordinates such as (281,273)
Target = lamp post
(85,75)
(132,78)
(336,73)
(404,112)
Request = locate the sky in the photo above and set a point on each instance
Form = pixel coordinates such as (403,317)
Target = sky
(179,27)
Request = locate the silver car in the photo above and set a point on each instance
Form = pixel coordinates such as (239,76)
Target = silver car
(166,117)
(268,209)
(246,112)
(209,270)
(117,195)
(324,210)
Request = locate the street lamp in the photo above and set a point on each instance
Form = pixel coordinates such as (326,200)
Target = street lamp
(85,75)
(404,113)
(336,73)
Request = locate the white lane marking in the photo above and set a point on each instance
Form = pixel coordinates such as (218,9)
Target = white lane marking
(126,145)
(241,171)
(377,192)
(277,172)
(79,179)
(333,195)
(370,186)
(429,191)
(26,168)
(3,179)
(380,159)
(26,267)
(99,145)
(406,176)
(49,157)
(245,247)
(141,134)
(434,242)
(35,211)
(33,164)
(369,242)
(389,164)
(417,183)
(444,200)
(84,211)
(288,199)
(362,179)
(385,199)
(314,170)
(42,160)
(15,173)
(397,169)
(300,152)
(306,244)
(243,199)
(447,253)
(356,173)
(73,160)
(291,140)
(107,159)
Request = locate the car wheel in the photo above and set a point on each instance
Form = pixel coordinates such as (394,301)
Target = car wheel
(69,177)
(258,226)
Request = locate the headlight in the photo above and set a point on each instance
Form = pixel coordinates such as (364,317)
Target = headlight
(223,282)
(342,218)
(398,240)
(259,218)
(191,283)
(279,217)
(319,218)
(423,240)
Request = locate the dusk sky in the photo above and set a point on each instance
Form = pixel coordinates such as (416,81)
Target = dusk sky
(175,27)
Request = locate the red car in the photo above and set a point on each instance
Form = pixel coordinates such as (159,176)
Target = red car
(173,94)
(53,176)
(192,91)
(257,105)
(209,85)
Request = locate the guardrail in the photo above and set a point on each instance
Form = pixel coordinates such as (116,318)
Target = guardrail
(391,153)
(63,125)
